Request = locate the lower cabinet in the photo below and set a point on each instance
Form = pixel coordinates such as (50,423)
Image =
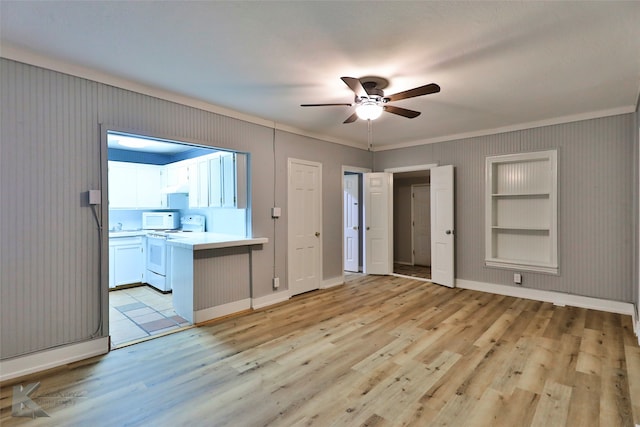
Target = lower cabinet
(126,261)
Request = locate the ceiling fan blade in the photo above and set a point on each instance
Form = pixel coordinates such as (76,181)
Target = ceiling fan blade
(410,114)
(324,105)
(418,91)
(356,86)
(352,118)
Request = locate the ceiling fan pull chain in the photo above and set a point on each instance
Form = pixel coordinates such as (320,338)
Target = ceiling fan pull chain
(369,135)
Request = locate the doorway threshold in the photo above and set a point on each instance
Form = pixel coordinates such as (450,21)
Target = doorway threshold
(149,337)
(408,271)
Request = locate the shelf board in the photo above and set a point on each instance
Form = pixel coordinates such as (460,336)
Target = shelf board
(521,195)
(539,267)
(516,228)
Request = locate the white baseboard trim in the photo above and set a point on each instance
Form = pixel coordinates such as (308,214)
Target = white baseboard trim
(221,310)
(636,325)
(556,298)
(330,283)
(267,300)
(47,359)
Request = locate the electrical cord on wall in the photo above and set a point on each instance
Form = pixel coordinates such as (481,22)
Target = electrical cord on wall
(98,331)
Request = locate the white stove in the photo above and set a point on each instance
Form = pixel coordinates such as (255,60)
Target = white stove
(188,223)
(158,256)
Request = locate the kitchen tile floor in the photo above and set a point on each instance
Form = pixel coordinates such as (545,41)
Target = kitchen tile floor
(139,313)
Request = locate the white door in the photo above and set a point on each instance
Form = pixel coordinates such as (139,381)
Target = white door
(304,217)
(378,217)
(421,221)
(351,223)
(442,232)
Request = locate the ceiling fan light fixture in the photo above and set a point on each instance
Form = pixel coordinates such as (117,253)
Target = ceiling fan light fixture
(369,110)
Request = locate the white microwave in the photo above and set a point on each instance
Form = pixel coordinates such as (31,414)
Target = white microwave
(160,220)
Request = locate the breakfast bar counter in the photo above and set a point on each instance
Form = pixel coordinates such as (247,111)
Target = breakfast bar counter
(201,241)
(210,274)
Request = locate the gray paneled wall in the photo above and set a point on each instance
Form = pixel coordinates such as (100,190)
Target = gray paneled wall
(224,274)
(595,193)
(49,255)
(50,156)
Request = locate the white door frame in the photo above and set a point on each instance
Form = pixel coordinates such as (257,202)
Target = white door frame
(414,168)
(353,169)
(290,237)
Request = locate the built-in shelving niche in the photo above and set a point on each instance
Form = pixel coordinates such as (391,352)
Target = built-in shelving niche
(521,211)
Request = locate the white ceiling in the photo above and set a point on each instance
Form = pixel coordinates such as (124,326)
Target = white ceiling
(501,65)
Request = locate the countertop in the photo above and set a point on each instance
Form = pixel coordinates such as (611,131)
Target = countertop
(198,241)
(127,233)
(201,241)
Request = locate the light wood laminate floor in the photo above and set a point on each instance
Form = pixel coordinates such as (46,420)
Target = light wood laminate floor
(383,351)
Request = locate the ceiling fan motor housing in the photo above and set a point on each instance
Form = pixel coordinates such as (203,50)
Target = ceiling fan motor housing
(370,100)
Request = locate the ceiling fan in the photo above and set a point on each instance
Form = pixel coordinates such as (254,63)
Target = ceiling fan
(370,101)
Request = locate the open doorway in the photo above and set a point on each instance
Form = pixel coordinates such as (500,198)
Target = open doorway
(160,191)
(412,224)
(378,222)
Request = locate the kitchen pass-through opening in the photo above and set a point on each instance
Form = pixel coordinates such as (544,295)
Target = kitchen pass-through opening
(160,190)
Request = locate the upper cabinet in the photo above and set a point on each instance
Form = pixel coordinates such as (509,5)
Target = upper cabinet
(177,175)
(223,181)
(521,211)
(215,180)
(134,186)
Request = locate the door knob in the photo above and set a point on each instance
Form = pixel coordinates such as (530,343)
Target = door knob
(368,228)
(317,234)
(448,232)
(355,228)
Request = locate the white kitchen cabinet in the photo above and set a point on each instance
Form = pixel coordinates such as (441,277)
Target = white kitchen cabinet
(196,172)
(149,187)
(222,180)
(228,179)
(177,174)
(521,212)
(211,179)
(135,186)
(122,192)
(126,261)
(215,184)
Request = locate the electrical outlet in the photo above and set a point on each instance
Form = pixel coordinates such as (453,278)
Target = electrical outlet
(517,278)
(276,282)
